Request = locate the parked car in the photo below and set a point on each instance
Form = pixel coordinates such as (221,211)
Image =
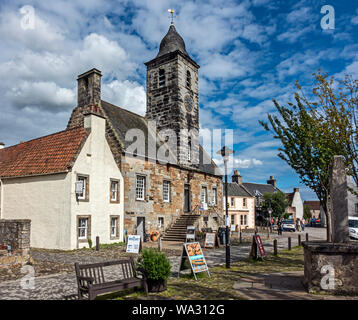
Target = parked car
(353,227)
(289,225)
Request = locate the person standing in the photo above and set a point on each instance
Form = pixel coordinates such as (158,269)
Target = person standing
(303,224)
(279,227)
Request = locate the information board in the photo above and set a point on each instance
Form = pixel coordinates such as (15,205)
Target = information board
(134,243)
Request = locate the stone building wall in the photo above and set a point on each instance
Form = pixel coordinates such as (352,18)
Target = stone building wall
(16,234)
(154,206)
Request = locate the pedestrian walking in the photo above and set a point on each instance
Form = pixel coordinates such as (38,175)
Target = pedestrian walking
(303,224)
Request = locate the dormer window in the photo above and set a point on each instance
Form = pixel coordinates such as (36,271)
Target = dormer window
(161,78)
(188,79)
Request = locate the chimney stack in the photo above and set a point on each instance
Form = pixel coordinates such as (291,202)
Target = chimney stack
(272,181)
(89,89)
(236,177)
(2,145)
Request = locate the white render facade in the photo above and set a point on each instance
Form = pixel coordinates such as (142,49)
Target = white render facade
(50,200)
(297,203)
(241,212)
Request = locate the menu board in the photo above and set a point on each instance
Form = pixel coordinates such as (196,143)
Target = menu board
(210,239)
(192,250)
(133,245)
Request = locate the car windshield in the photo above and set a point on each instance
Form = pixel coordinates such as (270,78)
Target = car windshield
(353,223)
(288,221)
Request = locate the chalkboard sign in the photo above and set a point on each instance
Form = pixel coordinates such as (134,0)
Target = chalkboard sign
(134,244)
(193,252)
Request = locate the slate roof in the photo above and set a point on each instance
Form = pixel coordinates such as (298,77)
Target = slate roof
(123,120)
(54,153)
(262,188)
(313,205)
(236,190)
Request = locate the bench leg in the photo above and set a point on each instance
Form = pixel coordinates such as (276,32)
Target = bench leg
(91,295)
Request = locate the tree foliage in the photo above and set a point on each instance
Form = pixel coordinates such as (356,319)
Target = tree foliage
(278,203)
(312,132)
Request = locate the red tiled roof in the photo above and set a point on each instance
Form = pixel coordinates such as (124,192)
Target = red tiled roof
(313,205)
(50,154)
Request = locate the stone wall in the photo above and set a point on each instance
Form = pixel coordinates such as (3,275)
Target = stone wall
(343,257)
(16,234)
(154,206)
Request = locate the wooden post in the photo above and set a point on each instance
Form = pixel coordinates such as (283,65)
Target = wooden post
(97,243)
(307,237)
(240,236)
(299,240)
(275,247)
(289,243)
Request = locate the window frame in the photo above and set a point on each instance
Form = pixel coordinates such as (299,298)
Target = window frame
(168,200)
(244,202)
(111,218)
(117,182)
(87,218)
(205,194)
(85,196)
(188,79)
(159,224)
(214,196)
(143,187)
(232,202)
(161,78)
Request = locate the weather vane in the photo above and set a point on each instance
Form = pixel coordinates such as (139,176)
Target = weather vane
(171,11)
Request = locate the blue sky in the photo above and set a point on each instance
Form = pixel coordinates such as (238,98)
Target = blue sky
(249,51)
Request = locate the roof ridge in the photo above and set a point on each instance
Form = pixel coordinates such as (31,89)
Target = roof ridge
(135,114)
(48,135)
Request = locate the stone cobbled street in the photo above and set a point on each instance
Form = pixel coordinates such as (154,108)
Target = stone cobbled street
(63,285)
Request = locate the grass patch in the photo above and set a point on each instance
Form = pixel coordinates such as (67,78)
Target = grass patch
(220,284)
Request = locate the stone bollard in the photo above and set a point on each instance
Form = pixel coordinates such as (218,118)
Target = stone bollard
(275,247)
(299,240)
(289,243)
(97,243)
(160,243)
(307,237)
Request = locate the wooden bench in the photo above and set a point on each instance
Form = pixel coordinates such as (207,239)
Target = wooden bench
(91,281)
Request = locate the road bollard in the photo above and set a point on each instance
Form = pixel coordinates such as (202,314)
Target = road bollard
(97,243)
(307,237)
(289,243)
(240,236)
(299,240)
(275,247)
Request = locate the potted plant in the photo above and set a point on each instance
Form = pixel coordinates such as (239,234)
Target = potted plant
(156,267)
(154,236)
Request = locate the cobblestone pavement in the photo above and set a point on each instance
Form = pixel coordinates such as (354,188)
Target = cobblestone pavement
(64,286)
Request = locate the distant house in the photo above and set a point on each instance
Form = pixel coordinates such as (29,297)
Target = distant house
(315,208)
(295,207)
(258,190)
(68,184)
(241,204)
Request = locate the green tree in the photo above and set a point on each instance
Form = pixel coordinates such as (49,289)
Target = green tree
(311,133)
(307,212)
(278,203)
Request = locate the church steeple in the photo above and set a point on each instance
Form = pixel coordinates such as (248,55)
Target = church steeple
(172,42)
(172,94)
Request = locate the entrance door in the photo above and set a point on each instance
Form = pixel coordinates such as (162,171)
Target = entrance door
(187,198)
(140,227)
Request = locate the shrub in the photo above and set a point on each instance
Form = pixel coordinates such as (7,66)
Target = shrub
(155,264)
(90,243)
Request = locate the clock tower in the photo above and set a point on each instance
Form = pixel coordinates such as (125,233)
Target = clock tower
(172,95)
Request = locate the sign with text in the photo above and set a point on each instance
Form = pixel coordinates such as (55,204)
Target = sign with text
(260,246)
(192,250)
(134,244)
(210,239)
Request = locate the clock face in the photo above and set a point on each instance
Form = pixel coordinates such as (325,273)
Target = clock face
(189,103)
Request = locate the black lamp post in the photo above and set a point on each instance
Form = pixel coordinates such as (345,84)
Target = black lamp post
(225,153)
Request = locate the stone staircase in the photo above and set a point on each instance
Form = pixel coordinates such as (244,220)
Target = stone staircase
(177,232)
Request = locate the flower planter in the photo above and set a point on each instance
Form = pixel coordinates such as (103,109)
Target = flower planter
(156,285)
(154,238)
